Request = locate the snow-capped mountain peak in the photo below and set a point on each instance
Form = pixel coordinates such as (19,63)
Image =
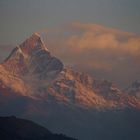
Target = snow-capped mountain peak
(31,55)
(31,70)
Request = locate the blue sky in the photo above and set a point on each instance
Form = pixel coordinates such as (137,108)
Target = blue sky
(19,18)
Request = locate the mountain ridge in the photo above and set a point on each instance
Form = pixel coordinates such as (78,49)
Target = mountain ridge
(39,75)
(12,128)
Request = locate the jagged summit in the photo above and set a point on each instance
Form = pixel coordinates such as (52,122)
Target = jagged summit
(32,57)
(33,43)
(36,34)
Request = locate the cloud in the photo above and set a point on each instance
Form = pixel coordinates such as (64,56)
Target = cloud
(97,37)
(103,52)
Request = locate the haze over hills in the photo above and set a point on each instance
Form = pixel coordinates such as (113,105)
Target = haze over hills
(37,86)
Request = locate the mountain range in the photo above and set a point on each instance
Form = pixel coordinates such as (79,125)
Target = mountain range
(36,85)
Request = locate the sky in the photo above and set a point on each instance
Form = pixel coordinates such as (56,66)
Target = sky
(19,18)
(100,37)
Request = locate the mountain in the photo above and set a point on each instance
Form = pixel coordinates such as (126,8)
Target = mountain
(32,57)
(36,85)
(134,89)
(12,128)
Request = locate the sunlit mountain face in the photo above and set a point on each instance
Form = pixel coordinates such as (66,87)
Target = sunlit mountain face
(38,86)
